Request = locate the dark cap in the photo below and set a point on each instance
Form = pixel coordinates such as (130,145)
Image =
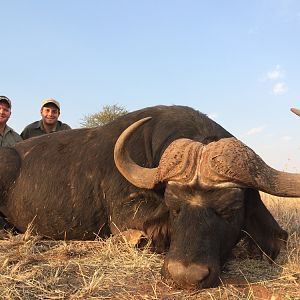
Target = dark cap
(5,99)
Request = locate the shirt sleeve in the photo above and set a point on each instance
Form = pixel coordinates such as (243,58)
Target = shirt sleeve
(25,134)
(65,126)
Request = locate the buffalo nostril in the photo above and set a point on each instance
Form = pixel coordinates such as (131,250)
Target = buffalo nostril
(190,275)
(196,273)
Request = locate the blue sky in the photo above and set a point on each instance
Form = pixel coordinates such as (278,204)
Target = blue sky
(237,61)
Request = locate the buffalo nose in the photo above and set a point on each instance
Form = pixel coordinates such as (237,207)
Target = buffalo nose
(187,275)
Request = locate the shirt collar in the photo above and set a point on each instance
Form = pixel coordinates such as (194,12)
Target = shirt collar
(7,129)
(41,126)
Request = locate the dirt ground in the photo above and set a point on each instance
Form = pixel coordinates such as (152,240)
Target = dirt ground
(34,268)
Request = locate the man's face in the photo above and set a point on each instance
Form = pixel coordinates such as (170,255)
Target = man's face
(5,112)
(50,114)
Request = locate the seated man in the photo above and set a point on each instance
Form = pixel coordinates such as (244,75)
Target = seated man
(50,111)
(8,137)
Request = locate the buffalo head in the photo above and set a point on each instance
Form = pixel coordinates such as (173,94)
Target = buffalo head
(211,192)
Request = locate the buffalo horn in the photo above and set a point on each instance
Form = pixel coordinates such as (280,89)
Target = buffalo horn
(178,162)
(230,161)
(137,175)
(221,164)
(296,111)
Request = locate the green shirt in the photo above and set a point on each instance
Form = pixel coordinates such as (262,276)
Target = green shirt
(37,129)
(9,137)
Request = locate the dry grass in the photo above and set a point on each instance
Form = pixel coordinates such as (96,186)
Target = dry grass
(33,268)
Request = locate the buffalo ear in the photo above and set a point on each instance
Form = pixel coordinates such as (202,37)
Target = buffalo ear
(157,228)
(263,235)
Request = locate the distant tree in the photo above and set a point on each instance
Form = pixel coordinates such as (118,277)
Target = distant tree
(108,113)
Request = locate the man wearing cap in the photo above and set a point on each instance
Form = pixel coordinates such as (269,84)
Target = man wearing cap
(50,111)
(8,137)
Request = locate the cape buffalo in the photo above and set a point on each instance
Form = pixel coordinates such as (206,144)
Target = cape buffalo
(179,177)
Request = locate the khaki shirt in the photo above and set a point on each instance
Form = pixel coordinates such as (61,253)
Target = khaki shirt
(9,137)
(37,128)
